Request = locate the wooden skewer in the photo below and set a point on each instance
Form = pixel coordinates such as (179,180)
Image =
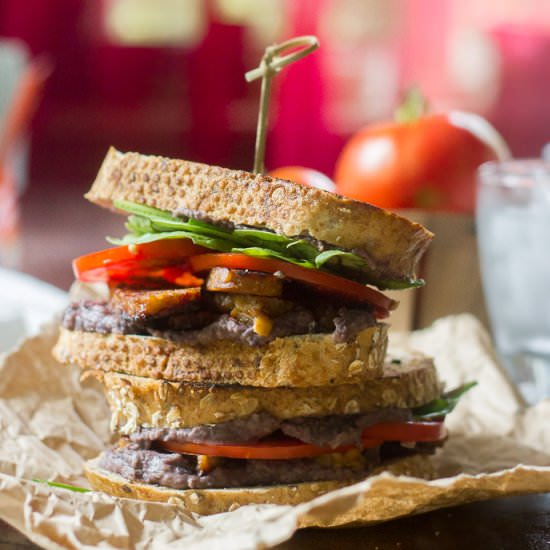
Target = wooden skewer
(272,62)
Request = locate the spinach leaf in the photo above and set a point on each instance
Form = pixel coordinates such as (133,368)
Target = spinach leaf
(202,240)
(267,253)
(261,236)
(147,224)
(443,405)
(140,209)
(62,486)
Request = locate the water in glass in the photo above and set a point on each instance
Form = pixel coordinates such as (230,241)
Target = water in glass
(513,223)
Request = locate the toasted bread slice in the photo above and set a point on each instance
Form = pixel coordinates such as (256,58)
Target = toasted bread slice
(137,401)
(299,361)
(391,243)
(215,501)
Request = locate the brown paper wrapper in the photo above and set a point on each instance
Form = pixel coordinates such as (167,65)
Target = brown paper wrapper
(50,422)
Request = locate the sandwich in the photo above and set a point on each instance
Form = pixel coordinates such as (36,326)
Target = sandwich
(242,342)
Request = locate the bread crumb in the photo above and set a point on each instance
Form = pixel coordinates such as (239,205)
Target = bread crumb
(194,498)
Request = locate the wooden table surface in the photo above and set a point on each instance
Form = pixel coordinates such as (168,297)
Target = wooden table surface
(58,226)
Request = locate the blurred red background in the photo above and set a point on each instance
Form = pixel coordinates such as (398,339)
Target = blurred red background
(167,76)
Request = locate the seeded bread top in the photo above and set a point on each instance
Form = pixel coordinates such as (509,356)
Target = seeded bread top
(136,401)
(392,244)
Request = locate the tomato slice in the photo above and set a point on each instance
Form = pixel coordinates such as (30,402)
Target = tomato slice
(319,279)
(175,260)
(280,449)
(283,448)
(406,431)
(145,273)
(132,261)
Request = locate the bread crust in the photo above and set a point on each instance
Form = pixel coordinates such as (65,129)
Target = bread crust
(137,401)
(299,361)
(392,244)
(215,501)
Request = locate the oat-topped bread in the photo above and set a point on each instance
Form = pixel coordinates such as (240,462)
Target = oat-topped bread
(299,361)
(389,245)
(239,331)
(215,501)
(173,405)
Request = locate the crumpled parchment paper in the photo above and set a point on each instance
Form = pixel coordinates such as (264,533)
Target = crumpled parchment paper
(50,422)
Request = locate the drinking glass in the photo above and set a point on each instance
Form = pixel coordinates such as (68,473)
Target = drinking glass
(513,225)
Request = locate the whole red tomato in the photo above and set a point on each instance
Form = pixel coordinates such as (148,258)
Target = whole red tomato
(426,163)
(305,176)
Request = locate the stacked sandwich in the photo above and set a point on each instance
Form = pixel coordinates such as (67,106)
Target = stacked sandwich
(241,345)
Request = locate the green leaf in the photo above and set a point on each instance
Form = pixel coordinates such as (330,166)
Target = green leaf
(62,486)
(140,209)
(302,249)
(147,224)
(348,259)
(400,285)
(267,253)
(286,248)
(209,229)
(413,107)
(261,235)
(139,225)
(202,240)
(163,221)
(161,225)
(443,405)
